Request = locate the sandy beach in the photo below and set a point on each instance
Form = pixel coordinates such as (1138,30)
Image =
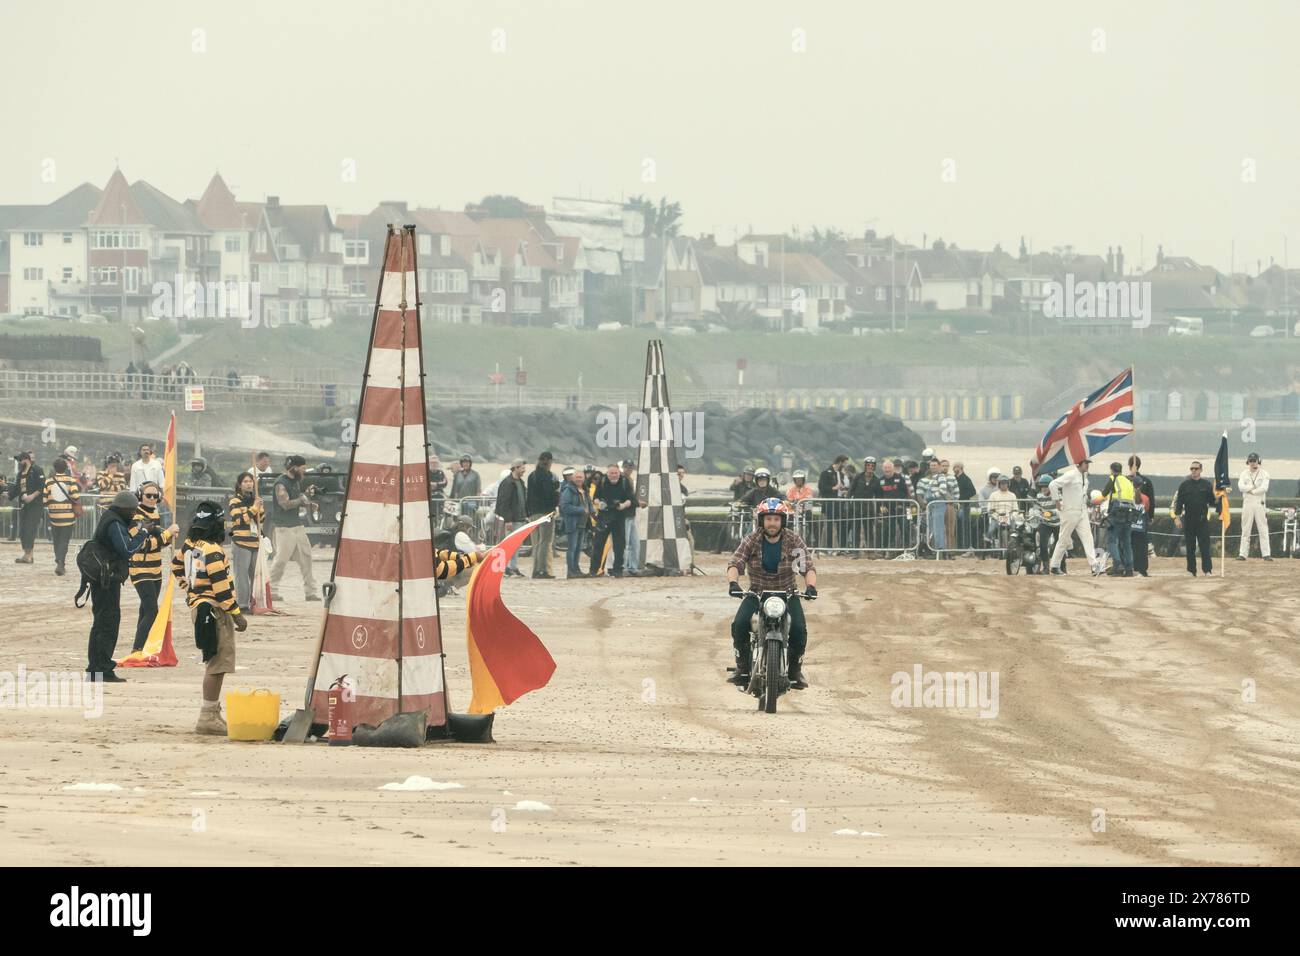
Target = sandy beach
(1137,721)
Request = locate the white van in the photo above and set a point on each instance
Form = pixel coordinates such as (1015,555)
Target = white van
(1186,325)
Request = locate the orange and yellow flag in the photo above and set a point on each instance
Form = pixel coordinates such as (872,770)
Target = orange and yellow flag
(506,659)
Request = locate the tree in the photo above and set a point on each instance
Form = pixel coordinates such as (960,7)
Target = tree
(660,221)
(504,207)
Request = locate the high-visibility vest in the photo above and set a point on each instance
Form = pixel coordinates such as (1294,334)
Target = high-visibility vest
(1121,488)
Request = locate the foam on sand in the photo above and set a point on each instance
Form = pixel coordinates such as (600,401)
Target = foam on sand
(417,782)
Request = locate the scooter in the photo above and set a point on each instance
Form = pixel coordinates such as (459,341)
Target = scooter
(769,640)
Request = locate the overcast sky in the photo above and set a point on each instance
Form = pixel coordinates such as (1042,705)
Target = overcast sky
(1140,134)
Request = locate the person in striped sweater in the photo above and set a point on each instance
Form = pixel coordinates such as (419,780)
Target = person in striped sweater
(110,480)
(203,573)
(145,566)
(246,518)
(62,505)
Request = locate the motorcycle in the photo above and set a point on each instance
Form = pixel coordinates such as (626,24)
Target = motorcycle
(769,638)
(1020,541)
(1290,540)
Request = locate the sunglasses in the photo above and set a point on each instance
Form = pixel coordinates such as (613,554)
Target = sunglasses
(151,497)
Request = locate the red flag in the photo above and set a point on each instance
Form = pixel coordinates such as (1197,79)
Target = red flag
(506,659)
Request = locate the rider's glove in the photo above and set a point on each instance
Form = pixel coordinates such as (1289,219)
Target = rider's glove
(734,588)
(810,590)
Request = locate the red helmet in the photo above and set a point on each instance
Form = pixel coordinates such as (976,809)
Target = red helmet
(772,506)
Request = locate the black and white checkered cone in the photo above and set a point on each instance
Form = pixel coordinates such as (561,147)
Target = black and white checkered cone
(661,510)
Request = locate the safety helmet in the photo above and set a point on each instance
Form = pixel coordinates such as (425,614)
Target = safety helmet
(747,471)
(772,506)
(1044,479)
(588,469)
(799,475)
(927,452)
(1253,456)
(993,471)
(209,522)
(869,460)
(762,473)
(1096,497)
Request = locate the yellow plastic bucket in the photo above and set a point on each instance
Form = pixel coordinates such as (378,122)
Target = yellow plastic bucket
(252,714)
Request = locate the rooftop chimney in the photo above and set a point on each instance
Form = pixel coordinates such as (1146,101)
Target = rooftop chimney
(272,202)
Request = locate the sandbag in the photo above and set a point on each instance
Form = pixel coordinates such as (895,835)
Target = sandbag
(400,730)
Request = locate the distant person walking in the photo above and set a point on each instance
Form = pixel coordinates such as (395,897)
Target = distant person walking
(291,541)
(63,506)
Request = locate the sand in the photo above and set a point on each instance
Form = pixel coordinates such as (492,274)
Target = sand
(1125,734)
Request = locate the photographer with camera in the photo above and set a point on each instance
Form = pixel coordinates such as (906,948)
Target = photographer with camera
(290,535)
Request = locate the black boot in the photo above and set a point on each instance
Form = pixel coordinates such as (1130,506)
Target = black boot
(797,681)
(740,676)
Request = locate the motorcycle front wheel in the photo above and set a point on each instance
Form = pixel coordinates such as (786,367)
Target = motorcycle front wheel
(772,677)
(1014,559)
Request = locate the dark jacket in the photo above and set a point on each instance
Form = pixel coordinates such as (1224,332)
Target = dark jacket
(895,487)
(757,494)
(543,492)
(609,494)
(34,480)
(965,487)
(1143,484)
(864,487)
(511,499)
(465,484)
(828,483)
(1195,496)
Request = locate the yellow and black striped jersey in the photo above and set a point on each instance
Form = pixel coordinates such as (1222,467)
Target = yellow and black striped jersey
(246,522)
(60,492)
(204,568)
(108,485)
(448,564)
(146,564)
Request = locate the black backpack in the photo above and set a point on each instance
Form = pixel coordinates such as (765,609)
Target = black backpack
(100,566)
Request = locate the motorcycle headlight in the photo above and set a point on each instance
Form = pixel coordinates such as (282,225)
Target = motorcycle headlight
(774,606)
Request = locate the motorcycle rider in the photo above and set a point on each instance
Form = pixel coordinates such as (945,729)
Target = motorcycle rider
(1253,485)
(1049,524)
(771,556)
(1070,492)
(742,485)
(762,490)
(1001,504)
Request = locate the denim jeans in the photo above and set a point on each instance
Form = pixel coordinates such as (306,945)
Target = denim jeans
(1119,542)
(935,514)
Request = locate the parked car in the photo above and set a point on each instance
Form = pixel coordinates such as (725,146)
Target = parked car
(1262,331)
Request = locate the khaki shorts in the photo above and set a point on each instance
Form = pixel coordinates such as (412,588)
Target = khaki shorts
(223,662)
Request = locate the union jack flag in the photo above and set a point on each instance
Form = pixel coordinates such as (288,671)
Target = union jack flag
(1095,423)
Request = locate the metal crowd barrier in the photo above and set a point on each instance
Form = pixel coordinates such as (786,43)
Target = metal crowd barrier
(885,527)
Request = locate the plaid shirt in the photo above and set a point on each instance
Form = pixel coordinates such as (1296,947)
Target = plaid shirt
(748,559)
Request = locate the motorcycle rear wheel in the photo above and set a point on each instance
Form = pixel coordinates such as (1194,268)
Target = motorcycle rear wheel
(772,677)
